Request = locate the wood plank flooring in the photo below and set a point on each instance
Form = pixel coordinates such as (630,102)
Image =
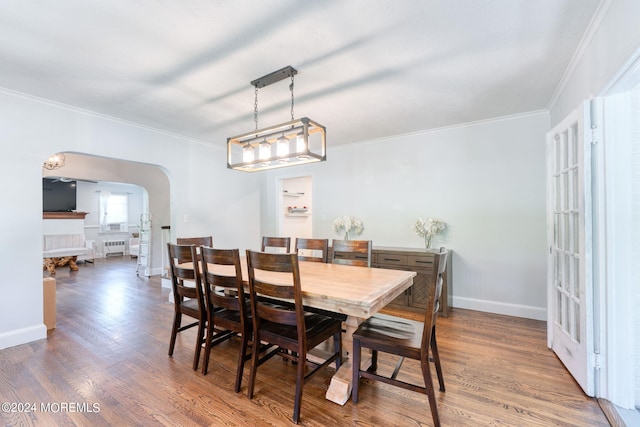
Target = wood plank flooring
(109,353)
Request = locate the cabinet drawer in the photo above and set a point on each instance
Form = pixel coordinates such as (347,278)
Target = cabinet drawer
(392,259)
(420,261)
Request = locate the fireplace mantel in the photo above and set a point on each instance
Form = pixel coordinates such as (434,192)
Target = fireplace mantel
(64,215)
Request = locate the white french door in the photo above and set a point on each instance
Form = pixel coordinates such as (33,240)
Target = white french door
(570,240)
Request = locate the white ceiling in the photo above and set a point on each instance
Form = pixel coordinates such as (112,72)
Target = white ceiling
(366,68)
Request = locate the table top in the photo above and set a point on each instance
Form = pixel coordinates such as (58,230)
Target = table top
(349,290)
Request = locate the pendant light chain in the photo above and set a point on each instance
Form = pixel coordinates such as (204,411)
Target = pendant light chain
(291,88)
(255,108)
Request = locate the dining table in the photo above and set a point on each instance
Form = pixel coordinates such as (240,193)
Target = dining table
(355,293)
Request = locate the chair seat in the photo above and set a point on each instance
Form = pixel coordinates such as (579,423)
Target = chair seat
(384,331)
(190,307)
(229,319)
(318,328)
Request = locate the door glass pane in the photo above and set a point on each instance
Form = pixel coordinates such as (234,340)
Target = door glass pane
(577,333)
(575,204)
(574,145)
(556,160)
(565,191)
(563,150)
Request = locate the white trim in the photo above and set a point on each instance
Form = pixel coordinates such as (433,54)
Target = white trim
(619,383)
(56,104)
(22,336)
(441,129)
(627,78)
(583,45)
(517,310)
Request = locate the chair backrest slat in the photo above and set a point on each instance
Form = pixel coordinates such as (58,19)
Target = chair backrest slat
(315,245)
(275,242)
(352,252)
(195,241)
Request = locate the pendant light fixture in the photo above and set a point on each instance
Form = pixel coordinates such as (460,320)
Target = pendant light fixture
(296,142)
(55,161)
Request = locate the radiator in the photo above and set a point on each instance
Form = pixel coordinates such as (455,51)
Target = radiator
(113,247)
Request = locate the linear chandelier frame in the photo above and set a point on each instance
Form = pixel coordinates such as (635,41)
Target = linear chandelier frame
(296,142)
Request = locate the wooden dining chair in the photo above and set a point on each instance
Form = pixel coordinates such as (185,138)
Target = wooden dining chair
(187,295)
(284,327)
(275,243)
(351,252)
(196,241)
(315,245)
(404,338)
(227,307)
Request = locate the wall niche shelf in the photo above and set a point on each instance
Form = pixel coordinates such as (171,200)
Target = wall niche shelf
(292,194)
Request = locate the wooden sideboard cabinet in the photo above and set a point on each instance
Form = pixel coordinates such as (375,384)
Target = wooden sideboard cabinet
(420,261)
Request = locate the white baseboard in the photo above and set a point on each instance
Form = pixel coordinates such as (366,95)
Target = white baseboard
(165,282)
(517,310)
(22,336)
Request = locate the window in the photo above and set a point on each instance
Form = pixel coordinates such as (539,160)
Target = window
(114,212)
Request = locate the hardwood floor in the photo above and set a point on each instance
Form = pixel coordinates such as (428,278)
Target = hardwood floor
(109,352)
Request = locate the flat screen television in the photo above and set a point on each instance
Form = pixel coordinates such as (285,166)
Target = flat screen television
(58,195)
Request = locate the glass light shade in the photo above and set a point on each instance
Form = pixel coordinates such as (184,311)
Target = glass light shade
(301,146)
(248,154)
(264,150)
(283,149)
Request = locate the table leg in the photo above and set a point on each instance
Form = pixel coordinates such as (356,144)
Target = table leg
(340,386)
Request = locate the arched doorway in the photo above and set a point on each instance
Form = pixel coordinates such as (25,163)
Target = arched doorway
(151,178)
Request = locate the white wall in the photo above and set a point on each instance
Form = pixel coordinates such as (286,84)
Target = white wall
(218,201)
(485,180)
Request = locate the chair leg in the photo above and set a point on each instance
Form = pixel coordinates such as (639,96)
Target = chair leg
(207,349)
(374,361)
(242,355)
(299,386)
(255,355)
(199,340)
(355,367)
(436,359)
(428,381)
(177,320)
(337,348)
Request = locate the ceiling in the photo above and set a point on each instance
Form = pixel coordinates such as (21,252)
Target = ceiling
(366,69)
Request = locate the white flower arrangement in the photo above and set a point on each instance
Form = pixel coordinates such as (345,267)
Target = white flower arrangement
(348,225)
(428,228)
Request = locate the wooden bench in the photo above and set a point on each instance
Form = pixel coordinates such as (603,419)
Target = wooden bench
(64,249)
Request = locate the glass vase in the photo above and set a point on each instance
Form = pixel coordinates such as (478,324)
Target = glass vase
(427,242)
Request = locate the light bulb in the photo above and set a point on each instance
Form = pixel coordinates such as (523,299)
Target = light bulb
(248,154)
(265,150)
(301,146)
(283,149)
